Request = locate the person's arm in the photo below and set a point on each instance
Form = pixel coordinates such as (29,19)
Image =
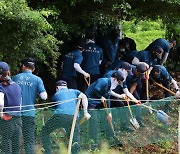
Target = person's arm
(122,96)
(126,91)
(85,105)
(79,69)
(1,103)
(164,58)
(43,95)
(136,61)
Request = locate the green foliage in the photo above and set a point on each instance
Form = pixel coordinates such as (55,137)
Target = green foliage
(26,33)
(143,32)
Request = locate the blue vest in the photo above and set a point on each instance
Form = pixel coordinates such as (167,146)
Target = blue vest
(69,71)
(91,57)
(31,86)
(12,98)
(64,95)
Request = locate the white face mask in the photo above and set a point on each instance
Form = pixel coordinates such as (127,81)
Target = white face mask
(114,83)
(122,49)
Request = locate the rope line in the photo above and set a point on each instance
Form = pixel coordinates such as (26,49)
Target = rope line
(51,104)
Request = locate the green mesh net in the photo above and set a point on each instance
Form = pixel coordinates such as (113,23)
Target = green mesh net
(97,129)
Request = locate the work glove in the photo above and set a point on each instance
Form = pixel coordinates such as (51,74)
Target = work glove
(103,99)
(87,115)
(87,75)
(177,94)
(109,117)
(123,96)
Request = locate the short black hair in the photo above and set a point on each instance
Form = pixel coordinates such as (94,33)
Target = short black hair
(29,63)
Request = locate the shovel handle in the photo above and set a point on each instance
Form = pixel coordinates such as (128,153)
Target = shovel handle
(129,109)
(82,120)
(160,85)
(73,126)
(87,81)
(105,106)
(147,85)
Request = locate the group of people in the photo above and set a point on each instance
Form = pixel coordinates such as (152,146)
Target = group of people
(116,70)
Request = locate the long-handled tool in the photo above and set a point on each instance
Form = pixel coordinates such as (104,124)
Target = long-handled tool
(161,115)
(88,82)
(147,89)
(160,85)
(73,126)
(133,120)
(106,108)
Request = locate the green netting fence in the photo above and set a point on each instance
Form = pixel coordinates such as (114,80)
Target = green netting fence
(97,129)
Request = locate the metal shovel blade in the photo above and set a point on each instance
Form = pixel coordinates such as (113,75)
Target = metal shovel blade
(163,118)
(134,123)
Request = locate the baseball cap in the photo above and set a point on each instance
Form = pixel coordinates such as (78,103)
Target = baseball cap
(141,69)
(127,67)
(61,83)
(156,72)
(118,75)
(29,62)
(3,67)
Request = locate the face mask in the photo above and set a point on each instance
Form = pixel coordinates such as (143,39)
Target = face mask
(114,83)
(122,49)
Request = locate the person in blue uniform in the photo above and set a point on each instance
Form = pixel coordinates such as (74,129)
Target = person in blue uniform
(71,64)
(110,48)
(160,74)
(148,58)
(31,86)
(102,89)
(134,86)
(63,116)
(165,45)
(127,50)
(92,58)
(10,106)
(122,66)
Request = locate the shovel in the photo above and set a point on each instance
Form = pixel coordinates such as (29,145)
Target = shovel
(132,120)
(161,115)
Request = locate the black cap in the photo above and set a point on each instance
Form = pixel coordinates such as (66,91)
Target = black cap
(29,62)
(141,69)
(127,67)
(118,75)
(156,71)
(61,83)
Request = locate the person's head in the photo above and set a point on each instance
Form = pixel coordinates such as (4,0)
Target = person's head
(4,72)
(118,77)
(157,52)
(115,31)
(79,44)
(60,84)
(123,47)
(28,64)
(155,72)
(172,44)
(127,67)
(140,71)
(131,42)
